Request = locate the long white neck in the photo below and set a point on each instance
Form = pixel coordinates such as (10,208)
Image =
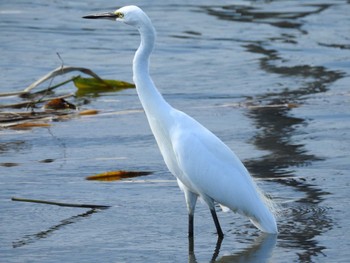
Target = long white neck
(152,101)
(158,111)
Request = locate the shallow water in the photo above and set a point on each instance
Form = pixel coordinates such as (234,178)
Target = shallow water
(270,78)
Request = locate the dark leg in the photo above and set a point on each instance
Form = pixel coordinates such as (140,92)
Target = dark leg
(217,224)
(190,225)
(191,248)
(217,250)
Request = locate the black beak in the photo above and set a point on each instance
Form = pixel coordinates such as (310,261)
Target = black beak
(108,15)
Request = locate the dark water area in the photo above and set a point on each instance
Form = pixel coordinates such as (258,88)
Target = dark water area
(270,78)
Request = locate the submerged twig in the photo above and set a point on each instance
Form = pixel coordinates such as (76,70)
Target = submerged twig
(60,203)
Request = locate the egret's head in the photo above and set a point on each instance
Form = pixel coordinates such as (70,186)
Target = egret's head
(130,15)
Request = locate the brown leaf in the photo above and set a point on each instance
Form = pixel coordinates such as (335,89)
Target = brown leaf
(59,104)
(28,125)
(117,175)
(88,112)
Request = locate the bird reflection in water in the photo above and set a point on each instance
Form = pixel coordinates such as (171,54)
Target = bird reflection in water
(259,251)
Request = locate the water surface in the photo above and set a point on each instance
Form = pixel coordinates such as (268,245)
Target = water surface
(270,78)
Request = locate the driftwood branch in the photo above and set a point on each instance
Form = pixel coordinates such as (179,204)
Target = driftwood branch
(60,203)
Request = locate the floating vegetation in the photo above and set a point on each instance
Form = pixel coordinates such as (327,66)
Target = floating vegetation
(45,106)
(117,175)
(253,105)
(28,125)
(93,85)
(29,119)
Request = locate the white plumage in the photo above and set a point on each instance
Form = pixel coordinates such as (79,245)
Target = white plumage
(203,165)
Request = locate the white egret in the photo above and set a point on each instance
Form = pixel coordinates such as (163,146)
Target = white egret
(203,165)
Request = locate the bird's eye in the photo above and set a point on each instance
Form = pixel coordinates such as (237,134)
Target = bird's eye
(119,15)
